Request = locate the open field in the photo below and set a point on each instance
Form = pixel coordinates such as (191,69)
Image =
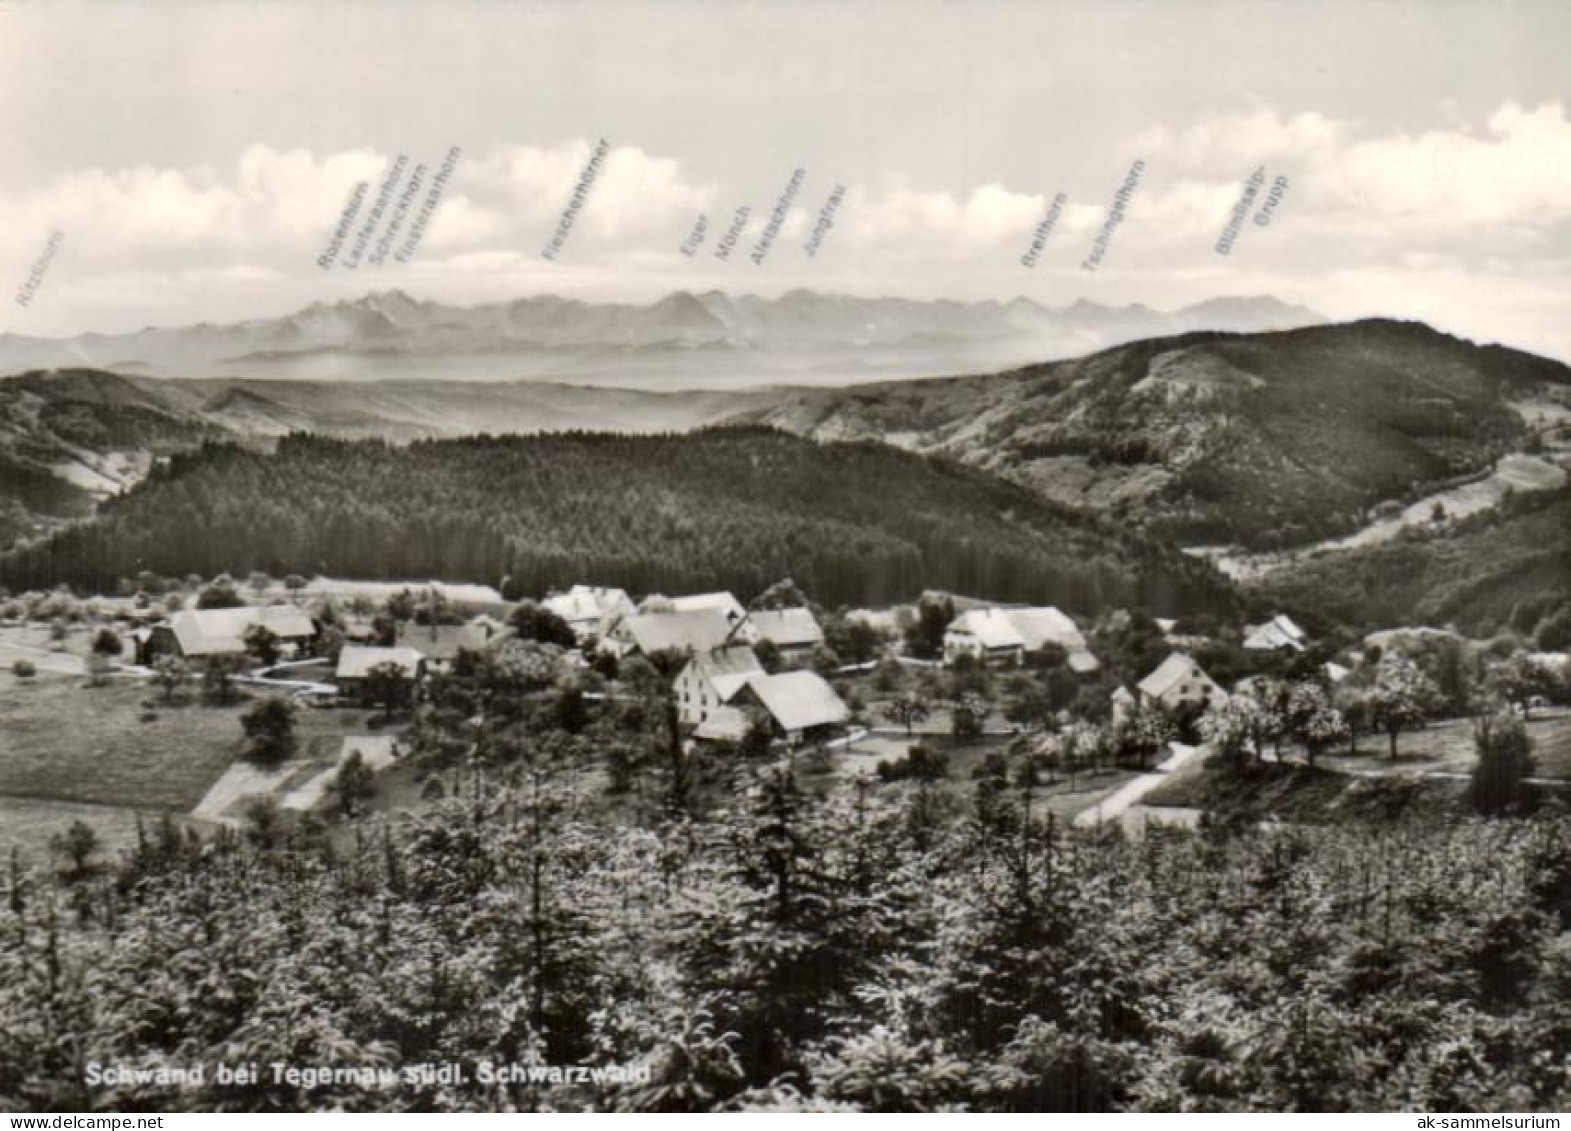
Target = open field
(1300,794)
(64,741)
(37,637)
(1447,748)
(27,825)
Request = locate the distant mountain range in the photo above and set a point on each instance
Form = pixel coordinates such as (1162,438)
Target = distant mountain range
(1262,440)
(685,340)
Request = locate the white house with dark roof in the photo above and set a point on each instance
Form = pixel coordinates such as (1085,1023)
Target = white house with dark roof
(710,681)
(1179,680)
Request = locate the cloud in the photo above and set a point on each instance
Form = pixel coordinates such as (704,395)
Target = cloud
(1519,172)
(1464,207)
(898,214)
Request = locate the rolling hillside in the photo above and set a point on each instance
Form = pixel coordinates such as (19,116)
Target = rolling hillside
(731,508)
(73,437)
(1263,440)
(1511,566)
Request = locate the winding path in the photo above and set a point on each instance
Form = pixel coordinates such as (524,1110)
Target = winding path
(1112,807)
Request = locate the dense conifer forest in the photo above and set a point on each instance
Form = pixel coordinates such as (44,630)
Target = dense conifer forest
(729,508)
(865,952)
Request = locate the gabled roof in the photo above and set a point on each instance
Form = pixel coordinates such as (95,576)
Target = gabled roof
(1278,632)
(1046,625)
(992,628)
(443,641)
(798,700)
(586,605)
(788,628)
(724,602)
(700,630)
(210,632)
(1169,673)
(356,662)
(728,669)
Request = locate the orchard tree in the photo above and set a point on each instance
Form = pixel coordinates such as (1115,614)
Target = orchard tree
(353,784)
(78,843)
(968,715)
(388,684)
(1228,726)
(218,675)
(1313,720)
(1354,698)
(925,637)
(1519,679)
(906,710)
(221,594)
(171,673)
(269,726)
(536,622)
(262,644)
(1402,698)
(1146,731)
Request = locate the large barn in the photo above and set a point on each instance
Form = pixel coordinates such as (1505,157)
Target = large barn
(199,633)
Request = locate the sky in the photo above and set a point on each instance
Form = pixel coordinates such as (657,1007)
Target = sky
(166,164)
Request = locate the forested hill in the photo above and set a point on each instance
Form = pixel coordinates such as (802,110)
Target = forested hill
(1264,440)
(730,508)
(1510,566)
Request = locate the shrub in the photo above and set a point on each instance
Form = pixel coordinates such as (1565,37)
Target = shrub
(23,669)
(1505,761)
(919,764)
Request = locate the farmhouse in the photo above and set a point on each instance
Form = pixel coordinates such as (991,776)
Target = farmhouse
(986,635)
(711,679)
(695,631)
(1277,633)
(355,664)
(793,632)
(1039,627)
(1006,635)
(198,633)
(1179,681)
(800,706)
(590,610)
(441,643)
(724,603)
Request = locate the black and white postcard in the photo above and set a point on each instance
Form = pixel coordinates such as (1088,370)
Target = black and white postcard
(880,556)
